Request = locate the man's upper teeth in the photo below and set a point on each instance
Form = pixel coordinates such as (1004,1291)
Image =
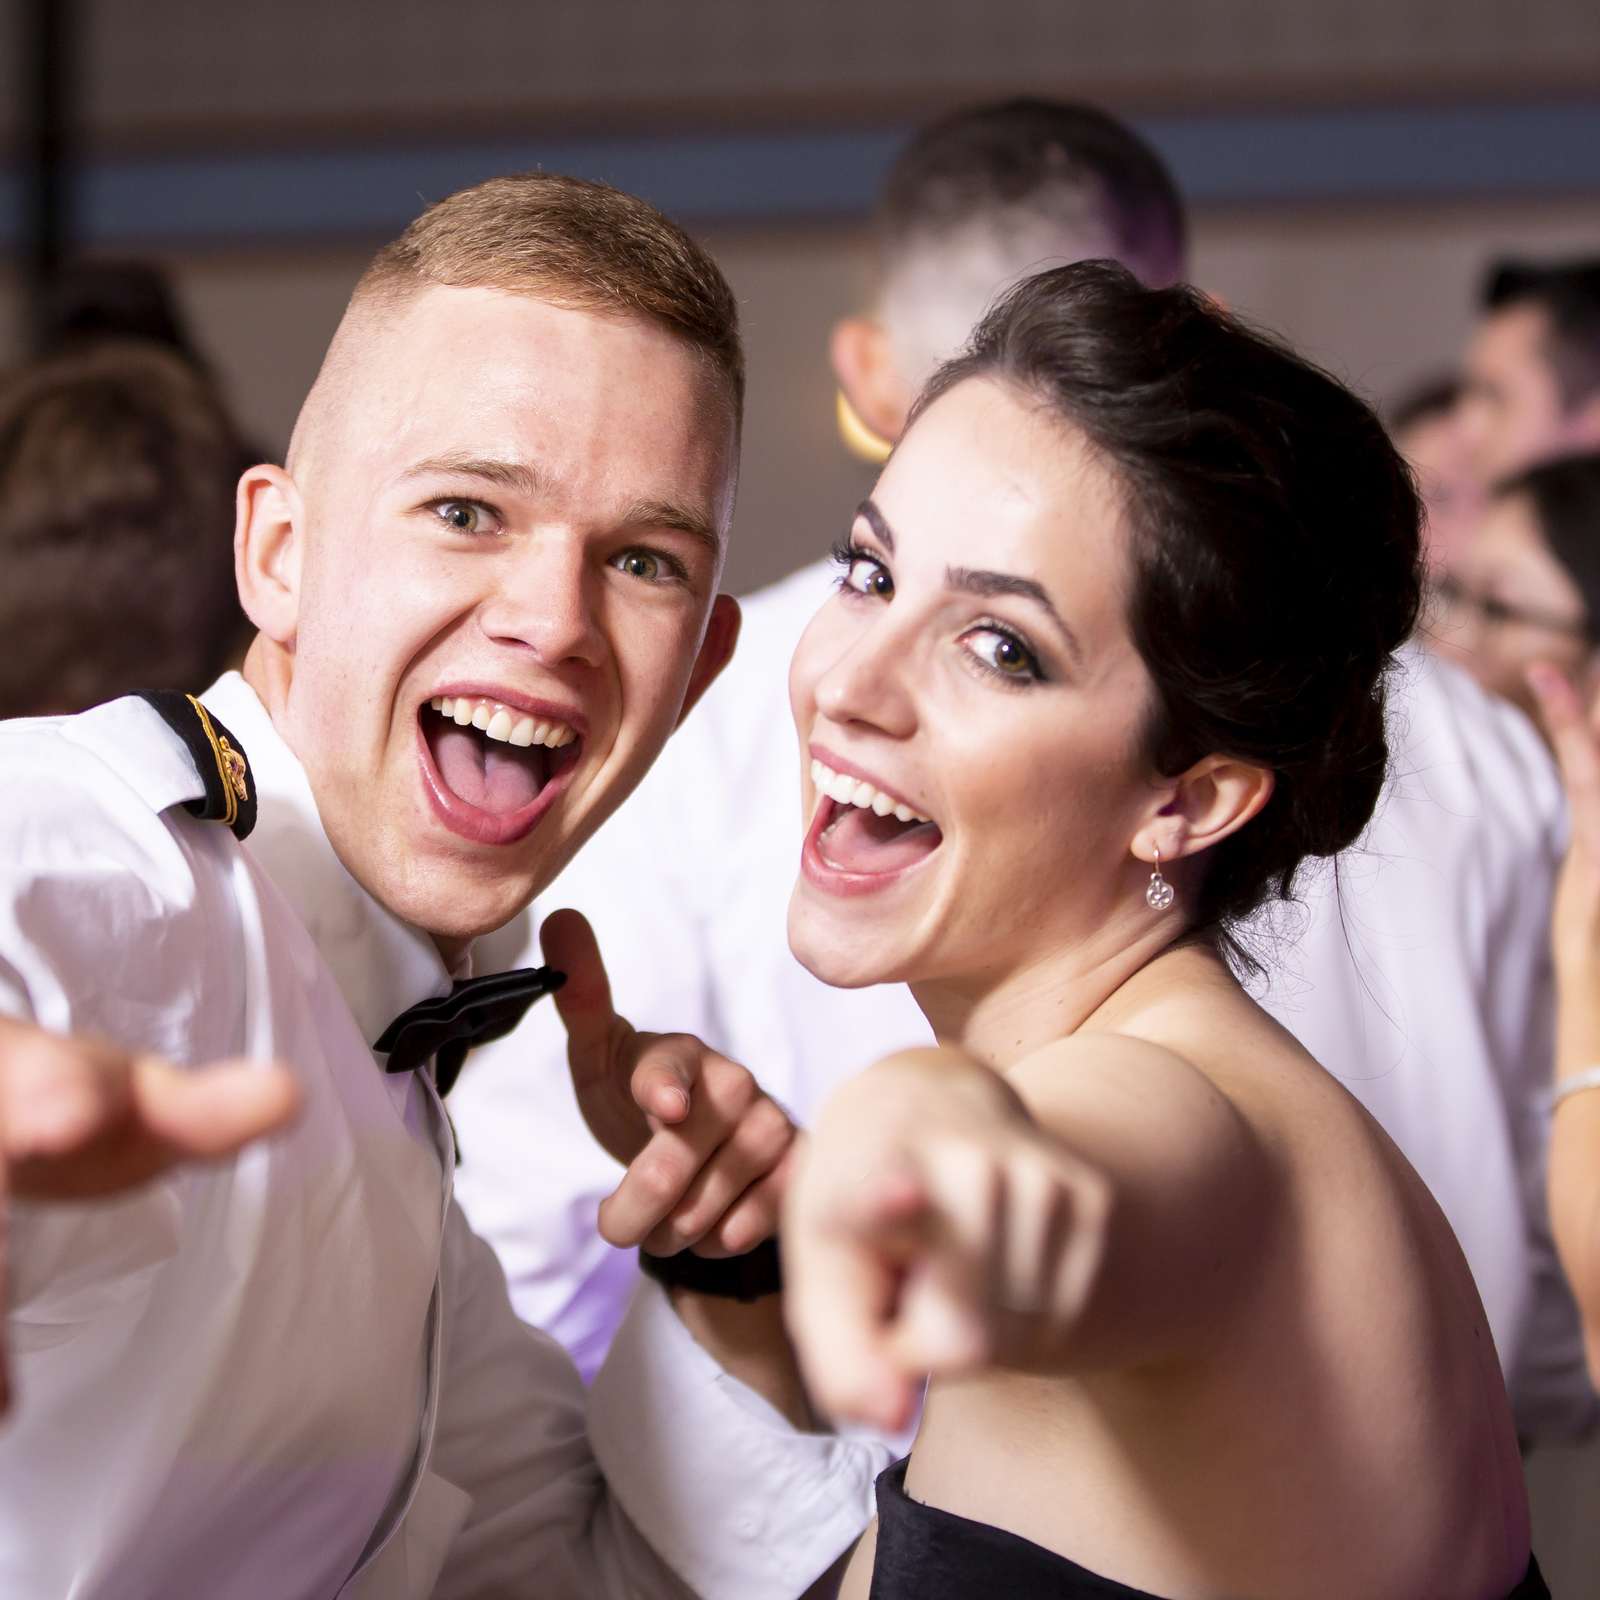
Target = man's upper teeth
(850,791)
(502,722)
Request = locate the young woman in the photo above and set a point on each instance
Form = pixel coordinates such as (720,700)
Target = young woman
(1106,663)
(1526,587)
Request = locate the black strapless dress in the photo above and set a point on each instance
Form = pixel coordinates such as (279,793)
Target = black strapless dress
(924,1553)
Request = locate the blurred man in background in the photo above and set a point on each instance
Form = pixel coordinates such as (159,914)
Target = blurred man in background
(1425,424)
(118,463)
(1424,986)
(1532,368)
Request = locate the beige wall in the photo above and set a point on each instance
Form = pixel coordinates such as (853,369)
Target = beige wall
(1380,295)
(238,70)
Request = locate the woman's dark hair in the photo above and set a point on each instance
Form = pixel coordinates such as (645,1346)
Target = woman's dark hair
(1565,496)
(1275,547)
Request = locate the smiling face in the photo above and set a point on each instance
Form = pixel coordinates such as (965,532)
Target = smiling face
(487,589)
(975,669)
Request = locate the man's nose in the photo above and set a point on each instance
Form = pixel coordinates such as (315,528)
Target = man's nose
(544,600)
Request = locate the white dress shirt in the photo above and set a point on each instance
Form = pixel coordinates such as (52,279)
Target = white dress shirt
(297,1373)
(1418,974)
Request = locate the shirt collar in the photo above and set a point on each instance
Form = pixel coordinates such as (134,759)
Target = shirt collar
(381,964)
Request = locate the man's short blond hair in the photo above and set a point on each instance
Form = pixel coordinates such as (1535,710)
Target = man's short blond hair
(584,246)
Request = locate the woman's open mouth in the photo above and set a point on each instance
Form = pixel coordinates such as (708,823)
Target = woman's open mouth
(492,770)
(862,836)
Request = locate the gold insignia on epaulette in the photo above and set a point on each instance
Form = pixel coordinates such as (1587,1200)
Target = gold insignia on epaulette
(234,768)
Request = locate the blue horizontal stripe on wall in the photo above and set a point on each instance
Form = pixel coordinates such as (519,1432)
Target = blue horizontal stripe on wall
(1417,153)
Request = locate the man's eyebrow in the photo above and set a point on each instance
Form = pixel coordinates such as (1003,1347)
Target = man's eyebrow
(870,514)
(969,581)
(517,476)
(672,517)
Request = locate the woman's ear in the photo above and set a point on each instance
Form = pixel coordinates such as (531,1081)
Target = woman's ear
(1213,799)
(864,365)
(268,545)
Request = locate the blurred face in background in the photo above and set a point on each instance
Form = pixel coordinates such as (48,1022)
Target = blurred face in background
(1436,448)
(1513,413)
(1510,603)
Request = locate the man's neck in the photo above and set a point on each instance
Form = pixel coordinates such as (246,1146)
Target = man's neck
(268,668)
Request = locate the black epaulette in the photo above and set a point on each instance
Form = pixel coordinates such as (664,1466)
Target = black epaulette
(219,758)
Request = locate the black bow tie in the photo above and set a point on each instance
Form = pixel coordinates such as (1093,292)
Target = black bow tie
(475,1011)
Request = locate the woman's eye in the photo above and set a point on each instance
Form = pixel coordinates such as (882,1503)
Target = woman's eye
(867,576)
(1003,654)
(464,516)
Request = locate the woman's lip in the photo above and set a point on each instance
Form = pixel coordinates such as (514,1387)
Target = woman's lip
(820,752)
(833,880)
(473,822)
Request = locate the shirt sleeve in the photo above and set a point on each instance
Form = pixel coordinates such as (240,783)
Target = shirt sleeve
(735,1498)
(670,1479)
(106,928)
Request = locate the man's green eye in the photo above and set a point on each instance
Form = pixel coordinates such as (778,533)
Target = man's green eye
(640,564)
(462,515)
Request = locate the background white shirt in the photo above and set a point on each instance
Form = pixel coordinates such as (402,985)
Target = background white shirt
(1417,972)
(297,1373)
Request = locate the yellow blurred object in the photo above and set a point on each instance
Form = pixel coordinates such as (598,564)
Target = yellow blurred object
(859,439)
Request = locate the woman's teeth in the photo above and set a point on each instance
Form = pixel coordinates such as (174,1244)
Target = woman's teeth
(850,791)
(500,722)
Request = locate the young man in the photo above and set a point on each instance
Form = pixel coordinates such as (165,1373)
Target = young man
(1417,972)
(1532,367)
(485,589)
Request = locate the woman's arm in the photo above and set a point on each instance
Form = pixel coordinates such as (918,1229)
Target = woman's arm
(1574,1168)
(1098,1206)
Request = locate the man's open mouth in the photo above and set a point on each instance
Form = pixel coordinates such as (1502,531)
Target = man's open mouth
(493,764)
(863,830)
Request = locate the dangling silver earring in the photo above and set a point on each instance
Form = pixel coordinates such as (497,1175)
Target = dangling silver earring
(1158,893)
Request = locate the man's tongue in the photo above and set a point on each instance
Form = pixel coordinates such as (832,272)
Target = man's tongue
(488,773)
(858,840)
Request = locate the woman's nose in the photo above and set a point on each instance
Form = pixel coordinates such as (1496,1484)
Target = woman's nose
(867,682)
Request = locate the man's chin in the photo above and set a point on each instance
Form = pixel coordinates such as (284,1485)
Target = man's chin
(454,909)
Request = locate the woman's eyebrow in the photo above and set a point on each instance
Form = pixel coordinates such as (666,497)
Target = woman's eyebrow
(873,517)
(970,581)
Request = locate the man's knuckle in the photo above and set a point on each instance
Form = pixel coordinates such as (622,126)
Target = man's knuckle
(767,1132)
(657,1178)
(739,1090)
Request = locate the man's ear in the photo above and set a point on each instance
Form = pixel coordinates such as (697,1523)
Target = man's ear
(268,545)
(716,651)
(864,365)
(1213,799)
